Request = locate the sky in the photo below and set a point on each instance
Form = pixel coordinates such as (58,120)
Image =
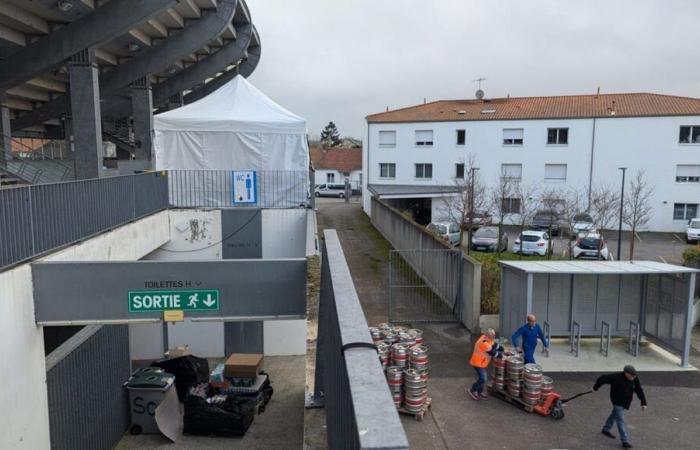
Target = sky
(341,60)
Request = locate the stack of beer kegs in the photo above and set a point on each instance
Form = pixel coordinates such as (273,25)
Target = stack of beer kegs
(499,373)
(418,361)
(532,384)
(399,355)
(376,333)
(418,334)
(415,391)
(514,369)
(384,354)
(394,377)
(547,387)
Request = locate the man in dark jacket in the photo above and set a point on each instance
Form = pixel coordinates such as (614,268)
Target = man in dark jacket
(622,387)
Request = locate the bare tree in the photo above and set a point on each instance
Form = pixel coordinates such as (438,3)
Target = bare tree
(637,208)
(526,195)
(603,209)
(552,203)
(468,198)
(572,208)
(500,196)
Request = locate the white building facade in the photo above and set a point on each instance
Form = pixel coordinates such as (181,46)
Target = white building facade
(419,157)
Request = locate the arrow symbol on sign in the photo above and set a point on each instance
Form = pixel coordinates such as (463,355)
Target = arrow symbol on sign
(209,301)
(198,283)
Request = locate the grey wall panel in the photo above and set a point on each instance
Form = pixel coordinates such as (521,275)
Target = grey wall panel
(88,407)
(559,303)
(607,306)
(243,337)
(91,291)
(540,284)
(241,230)
(630,301)
(585,301)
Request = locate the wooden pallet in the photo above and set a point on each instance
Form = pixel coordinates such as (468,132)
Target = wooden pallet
(505,396)
(419,415)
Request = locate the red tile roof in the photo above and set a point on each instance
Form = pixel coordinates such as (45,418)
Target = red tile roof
(340,159)
(561,107)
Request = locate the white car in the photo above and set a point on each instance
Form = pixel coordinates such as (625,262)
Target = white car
(592,246)
(582,224)
(448,231)
(692,233)
(533,243)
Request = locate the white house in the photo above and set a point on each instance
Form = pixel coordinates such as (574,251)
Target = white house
(412,155)
(334,165)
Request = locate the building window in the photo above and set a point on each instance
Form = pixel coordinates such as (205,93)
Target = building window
(461,137)
(685,211)
(387,170)
(689,135)
(512,136)
(557,136)
(387,138)
(459,170)
(424,171)
(555,172)
(688,173)
(330,178)
(511,206)
(512,171)
(424,138)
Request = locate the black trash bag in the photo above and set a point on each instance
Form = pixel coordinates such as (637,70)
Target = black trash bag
(262,396)
(229,419)
(188,370)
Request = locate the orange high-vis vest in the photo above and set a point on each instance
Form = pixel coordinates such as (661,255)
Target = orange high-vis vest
(480,357)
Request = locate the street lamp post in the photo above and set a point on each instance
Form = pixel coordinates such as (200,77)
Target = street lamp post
(622,205)
(472,174)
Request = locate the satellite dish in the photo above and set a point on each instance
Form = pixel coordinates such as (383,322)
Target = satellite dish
(479,94)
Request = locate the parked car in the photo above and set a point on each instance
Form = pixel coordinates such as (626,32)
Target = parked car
(591,246)
(485,239)
(330,190)
(544,217)
(692,233)
(582,224)
(449,231)
(479,219)
(533,242)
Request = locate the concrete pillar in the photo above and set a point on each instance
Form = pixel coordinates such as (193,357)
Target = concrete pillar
(85,114)
(6,138)
(142,114)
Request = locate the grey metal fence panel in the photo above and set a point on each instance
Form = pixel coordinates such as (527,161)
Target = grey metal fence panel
(88,407)
(666,310)
(214,189)
(36,219)
(360,413)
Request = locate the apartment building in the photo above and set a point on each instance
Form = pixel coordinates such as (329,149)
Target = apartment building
(412,156)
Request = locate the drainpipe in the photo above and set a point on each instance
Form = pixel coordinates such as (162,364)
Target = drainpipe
(590,172)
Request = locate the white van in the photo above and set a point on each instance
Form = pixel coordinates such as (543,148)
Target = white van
(330,190)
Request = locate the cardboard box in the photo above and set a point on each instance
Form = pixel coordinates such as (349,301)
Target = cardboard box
(243,365)
(177,352)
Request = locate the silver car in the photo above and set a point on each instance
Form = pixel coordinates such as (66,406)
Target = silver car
(485,239)
(448,231)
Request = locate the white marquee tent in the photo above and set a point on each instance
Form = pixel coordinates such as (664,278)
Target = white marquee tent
(236,127)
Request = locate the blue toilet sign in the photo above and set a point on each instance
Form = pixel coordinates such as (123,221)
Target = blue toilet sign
(244,187)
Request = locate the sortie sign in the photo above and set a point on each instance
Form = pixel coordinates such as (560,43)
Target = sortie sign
(186,300)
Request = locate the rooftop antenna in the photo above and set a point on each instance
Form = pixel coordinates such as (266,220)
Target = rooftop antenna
(479,93)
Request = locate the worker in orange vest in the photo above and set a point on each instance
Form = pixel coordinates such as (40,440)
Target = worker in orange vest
(485,348)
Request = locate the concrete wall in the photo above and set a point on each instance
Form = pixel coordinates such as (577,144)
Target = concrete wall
(284,233)
(637,143)
(24,415)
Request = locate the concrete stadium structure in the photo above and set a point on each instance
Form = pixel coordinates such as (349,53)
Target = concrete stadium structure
(87,72)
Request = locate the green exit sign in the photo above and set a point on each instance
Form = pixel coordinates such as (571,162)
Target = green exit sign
(186,300)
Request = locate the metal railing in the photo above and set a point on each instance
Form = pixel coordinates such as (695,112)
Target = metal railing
(88,407)
(39,218)
(349,381)
(214,189)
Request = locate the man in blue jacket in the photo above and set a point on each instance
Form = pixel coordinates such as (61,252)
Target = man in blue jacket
(529,334)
